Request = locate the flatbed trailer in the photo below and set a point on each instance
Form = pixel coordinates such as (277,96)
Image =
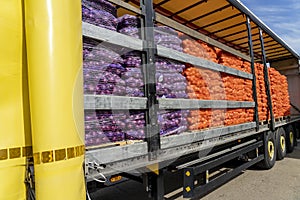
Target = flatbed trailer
(43,152)
(230,27)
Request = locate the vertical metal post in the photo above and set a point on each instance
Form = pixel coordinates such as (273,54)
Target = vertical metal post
(156,178)
(152,133)
(253,72)
(156,185)
(267,81)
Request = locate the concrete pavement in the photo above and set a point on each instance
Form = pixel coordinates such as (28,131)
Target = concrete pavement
(282,182)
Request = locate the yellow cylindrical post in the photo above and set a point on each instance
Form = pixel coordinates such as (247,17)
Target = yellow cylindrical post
(54,52)
(15,138)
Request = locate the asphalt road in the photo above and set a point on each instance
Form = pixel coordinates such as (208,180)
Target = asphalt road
(282,182)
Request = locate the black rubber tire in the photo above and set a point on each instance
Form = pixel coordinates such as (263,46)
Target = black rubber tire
(297,134)
(281,143)
(269,161)
(290,139)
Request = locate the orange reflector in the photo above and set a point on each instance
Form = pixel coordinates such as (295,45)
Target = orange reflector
(115,179)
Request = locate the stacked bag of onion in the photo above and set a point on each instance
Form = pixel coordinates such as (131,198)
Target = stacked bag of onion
(100,13)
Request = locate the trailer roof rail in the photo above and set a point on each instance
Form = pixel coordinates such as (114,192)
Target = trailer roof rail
(221,23)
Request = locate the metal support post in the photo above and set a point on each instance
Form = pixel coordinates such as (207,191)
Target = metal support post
(156,186)
(152,133)
(253,73)
(155,179)
(267,81)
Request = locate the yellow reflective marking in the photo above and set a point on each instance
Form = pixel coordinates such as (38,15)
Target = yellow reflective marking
(58,154)
(188,189)
(47,156)
(154,168)
(3,154)
(71,152)
(27,152)
(115,179)
(15,152)
(188,173)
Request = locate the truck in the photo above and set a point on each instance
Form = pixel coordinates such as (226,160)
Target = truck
(85,126)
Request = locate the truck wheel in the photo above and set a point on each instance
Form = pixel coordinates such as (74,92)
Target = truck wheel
(290,138)
(270,149)
(281,143)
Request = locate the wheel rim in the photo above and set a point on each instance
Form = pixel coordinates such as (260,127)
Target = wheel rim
(271,150)
(282,143)
(291,137)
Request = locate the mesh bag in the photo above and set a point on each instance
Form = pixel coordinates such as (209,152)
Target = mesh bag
(129,25)
(135,125)
(134,82)
(132,59)
(99,13)
(99,53)
(170,85)
(163,64)
(103,127)
(167,37)
(172,122)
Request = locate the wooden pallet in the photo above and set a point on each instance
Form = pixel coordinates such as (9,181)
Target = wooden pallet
(282,118)
(264,122)
(286,117)
(279,119)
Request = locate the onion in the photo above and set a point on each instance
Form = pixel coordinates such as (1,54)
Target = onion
(99,13)
(129,25)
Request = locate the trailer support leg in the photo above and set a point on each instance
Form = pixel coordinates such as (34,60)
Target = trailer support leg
(156,185)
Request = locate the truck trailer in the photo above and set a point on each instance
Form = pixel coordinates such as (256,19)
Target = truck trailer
(109,90)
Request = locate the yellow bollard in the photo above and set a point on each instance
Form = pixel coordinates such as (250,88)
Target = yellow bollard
(54,52)
(15,137)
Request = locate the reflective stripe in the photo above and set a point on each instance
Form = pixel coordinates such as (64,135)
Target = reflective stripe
(16,152)
(58,154)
